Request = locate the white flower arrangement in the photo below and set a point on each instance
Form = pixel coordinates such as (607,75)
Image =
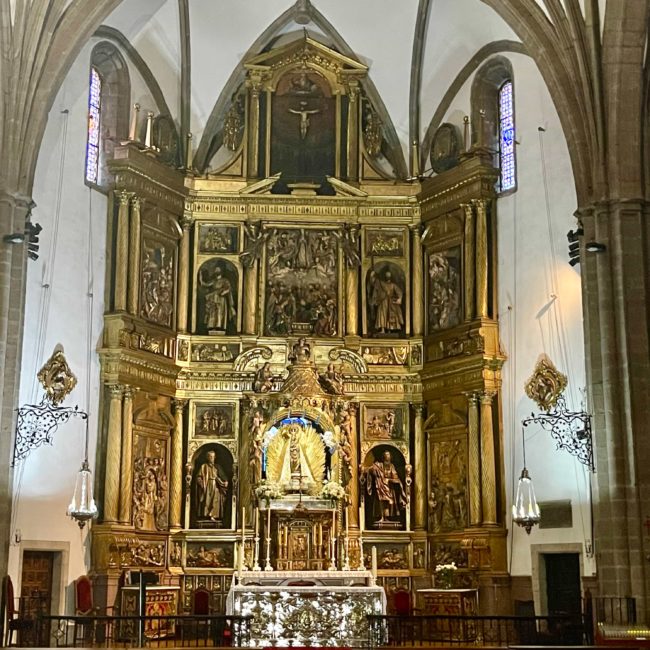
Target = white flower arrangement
(267,490)
(332,490)
(445,575)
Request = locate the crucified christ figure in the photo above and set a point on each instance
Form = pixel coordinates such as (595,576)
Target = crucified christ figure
(304,117)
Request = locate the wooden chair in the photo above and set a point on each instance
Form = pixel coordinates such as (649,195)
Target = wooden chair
(14,622)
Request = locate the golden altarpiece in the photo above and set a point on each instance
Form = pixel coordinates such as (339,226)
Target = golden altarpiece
(293,321)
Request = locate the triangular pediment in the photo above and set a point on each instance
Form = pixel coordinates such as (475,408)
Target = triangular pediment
(306,50)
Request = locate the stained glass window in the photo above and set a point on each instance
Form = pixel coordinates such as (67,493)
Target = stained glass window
(508,178)
(94,118)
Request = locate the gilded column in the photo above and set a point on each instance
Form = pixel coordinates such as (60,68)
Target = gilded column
(122,250)
(417,300)
(176,466)
(481,259)
(126,465)
(255,87)
(353,131)
(183,276)
(352,263)
(353,412)
(250,298)
(134,256)
(470,271)
(474,460)
(113,444)
(420,469)
(488,469)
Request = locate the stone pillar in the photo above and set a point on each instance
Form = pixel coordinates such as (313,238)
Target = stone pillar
(176,466)
(182,305)
(420,491)
(113,444)
(474,460)
(481,259)
(134,256)
(126,464)
(470,261)
(122,250)
(353,410)
(616,325)
(250,299)
(417,299)
(488,467)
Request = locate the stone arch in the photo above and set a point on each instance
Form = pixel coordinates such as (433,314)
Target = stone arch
(496,47)
(302,13)
(488,81)
(108,62)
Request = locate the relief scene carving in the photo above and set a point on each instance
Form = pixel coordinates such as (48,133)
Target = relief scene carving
(301,283)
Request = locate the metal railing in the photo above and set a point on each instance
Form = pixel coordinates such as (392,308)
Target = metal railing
(475,630)
(142,631)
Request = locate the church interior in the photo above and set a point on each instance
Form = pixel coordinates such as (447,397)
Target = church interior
(287,298)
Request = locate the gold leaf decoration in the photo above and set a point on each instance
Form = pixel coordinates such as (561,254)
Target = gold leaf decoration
(56,377)
(546,384)
(296,450)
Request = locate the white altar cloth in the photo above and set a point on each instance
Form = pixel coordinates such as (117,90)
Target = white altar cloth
(320,615)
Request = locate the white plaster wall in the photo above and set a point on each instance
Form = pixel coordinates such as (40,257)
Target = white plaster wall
(221,33)
(44,482)
(457,29)
(153,28)
(381,33)
(533,267)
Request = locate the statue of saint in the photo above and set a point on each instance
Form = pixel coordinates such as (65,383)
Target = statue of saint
(300,351)
(219,301)
(386,299)
(331,380)
(263,381)
(211,490)
(387,488)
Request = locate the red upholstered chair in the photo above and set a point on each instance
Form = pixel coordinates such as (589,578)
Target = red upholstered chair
(83,597)
(402,603)
(13,621)
(201,602)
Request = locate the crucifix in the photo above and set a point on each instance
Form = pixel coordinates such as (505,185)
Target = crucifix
(304,117)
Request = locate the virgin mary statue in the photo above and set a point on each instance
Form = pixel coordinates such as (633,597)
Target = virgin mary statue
(296,458)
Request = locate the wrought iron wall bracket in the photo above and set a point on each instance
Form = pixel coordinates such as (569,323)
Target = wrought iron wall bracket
(36,425)
(571,430)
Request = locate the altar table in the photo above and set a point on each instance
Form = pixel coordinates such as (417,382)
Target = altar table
(324,614)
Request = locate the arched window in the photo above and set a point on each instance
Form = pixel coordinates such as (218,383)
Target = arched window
(507,178)
(94,125)
(493,107)
(109,98)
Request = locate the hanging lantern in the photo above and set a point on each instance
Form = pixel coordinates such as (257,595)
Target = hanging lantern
(525,511)
(82,507)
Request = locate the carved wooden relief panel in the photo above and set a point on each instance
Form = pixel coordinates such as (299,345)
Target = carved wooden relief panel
(444,297)
(448,496)
(302,283)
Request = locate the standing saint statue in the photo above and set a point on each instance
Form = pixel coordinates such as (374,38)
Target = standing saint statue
(386,300)
(387,488)
(211,490)
(219,301)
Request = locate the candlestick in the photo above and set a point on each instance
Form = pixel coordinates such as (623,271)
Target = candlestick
(268,566)
(243,524)
(133,130)
(373,560)
(188,151)
(240,563)
(149,132)
(347,522)
(361,566)
(257,521)
(256,559)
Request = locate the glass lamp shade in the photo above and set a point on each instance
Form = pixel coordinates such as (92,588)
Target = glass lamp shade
(83,507)
(525,511)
